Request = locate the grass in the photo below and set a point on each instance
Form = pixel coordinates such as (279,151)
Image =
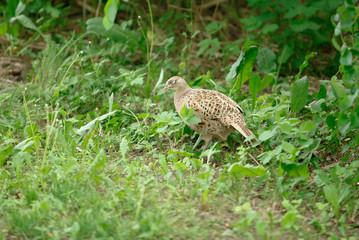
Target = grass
(129,176)
(91,147)
(88,196)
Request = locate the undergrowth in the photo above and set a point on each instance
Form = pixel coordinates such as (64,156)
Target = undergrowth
(91,147)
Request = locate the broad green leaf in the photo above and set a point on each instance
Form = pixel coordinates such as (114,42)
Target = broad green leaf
(244,63)
(188,115)
(344,192)
(335,43)
(26,22)
(179,166)
(204,44)
(91,124)
(144,115)
(11,6)
(241,70)
(299,94)
(208,47)
(293,12)
(70,80)
(349,5)
(30,130)
(124,147)
(309,143)
(22,146)
(3,28)
(233,71)
(110,11)
(322,94)
(20,8)
(301,25)
(181,153)
(116,33)
(214,27)
(245,207)
(331,121)
(338,88)
(54,12)
(337,32)
(307,126)
(160,79)
(193,120)
(106,23)
(163,163)
(300,9)
(267,79)
(289,220)
(315,144)
(343,122)
(269,155)
(215,46)
(248,44)
(90,134)
(304,64)
(95,25)
(321,178)
(137,81)
(255,85)
(267,134)
(288,147)
(295,169)
(333,4)
(268,28)
(99,161)
(317,106)
(247,170)
(354,119)
(350,75)
(233,47)
(18,162)
(347,101)
(346,57)
(185,112)
(262,227)
(5,153)
(332,196)
(266,60)
(286,127)
(285,54)
(167,117)
(346,20)
(251,23)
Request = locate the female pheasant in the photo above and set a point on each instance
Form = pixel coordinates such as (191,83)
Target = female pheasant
(219,114)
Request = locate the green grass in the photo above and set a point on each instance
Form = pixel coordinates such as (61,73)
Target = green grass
(132,174)
(89,196)
(91,147)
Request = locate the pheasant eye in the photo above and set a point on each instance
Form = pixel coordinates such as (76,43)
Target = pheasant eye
(173,82)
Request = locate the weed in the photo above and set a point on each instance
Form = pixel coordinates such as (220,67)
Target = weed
(91,148)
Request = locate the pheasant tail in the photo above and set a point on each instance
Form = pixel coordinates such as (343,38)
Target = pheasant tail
(243,130)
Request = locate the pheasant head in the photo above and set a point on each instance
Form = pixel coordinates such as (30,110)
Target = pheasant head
(177,84)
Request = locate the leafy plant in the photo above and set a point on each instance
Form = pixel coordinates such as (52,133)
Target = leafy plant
(290,23)
(85,135)
(338,185)
(209,46)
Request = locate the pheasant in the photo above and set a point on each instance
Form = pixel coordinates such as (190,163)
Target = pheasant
(219,114)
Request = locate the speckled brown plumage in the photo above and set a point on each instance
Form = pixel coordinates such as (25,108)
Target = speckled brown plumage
(219,114)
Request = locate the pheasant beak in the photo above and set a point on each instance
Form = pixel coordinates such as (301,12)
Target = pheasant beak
(165,89)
